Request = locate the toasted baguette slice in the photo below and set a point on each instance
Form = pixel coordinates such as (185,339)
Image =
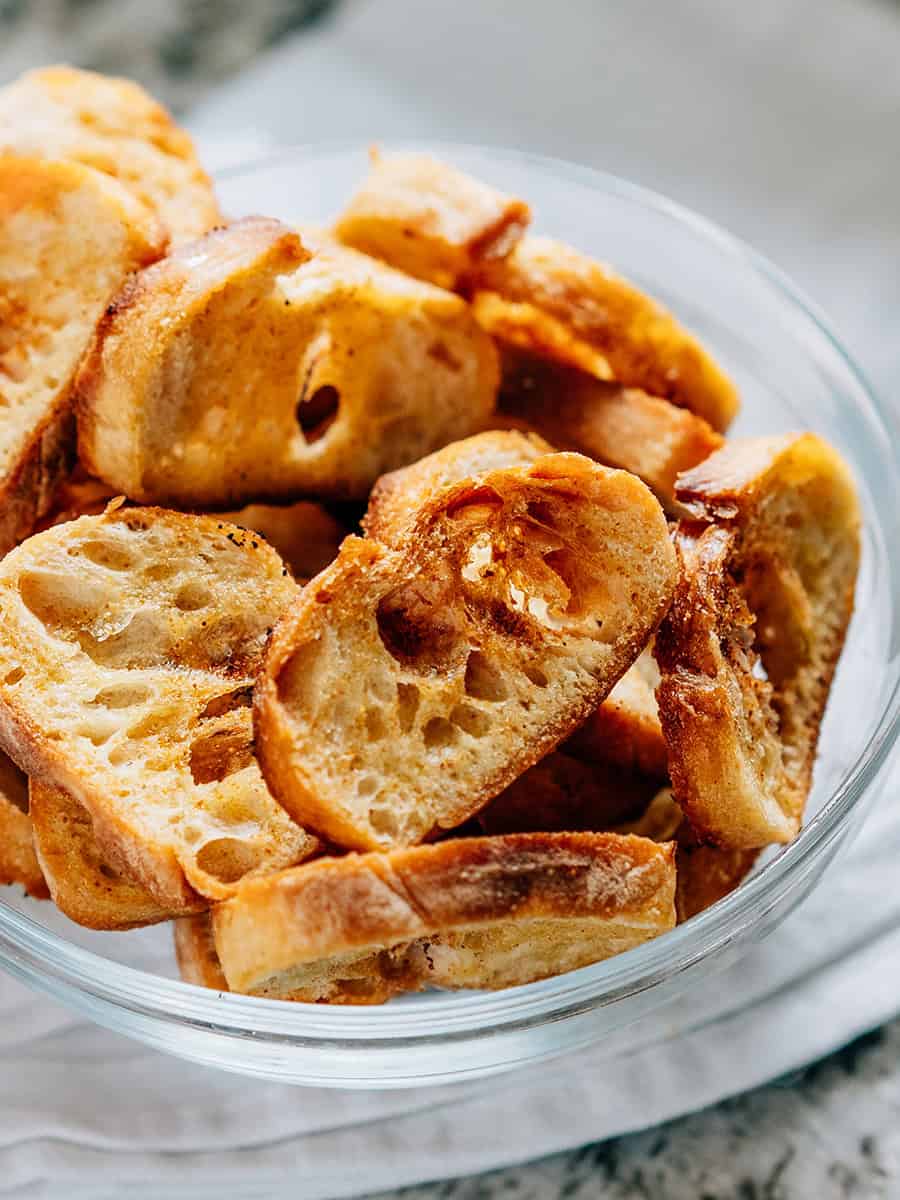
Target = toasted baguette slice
(83,885)
(550,300)
(195,952)
(305,535)
(769,566)
(562,794)
(706,874)
(625,730)
(408,686)
(18,861)
(128,647)
(398,498)
(231,372)
(78,495)
(470,913)
(113,126)
(430,220)
(68,238)
(619,426)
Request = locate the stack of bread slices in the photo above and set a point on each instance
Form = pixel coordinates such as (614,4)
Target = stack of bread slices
(383,604)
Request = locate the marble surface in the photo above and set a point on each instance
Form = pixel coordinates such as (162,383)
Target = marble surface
(832,1130)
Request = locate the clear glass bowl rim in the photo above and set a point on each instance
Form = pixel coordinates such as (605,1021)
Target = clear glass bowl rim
(41,954)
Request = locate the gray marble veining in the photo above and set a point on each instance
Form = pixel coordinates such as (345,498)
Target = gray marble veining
(831,1132)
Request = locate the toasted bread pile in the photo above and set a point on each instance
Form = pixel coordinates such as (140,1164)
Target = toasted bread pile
(384,604)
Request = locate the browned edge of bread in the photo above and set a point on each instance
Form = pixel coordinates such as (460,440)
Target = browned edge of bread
(444,914)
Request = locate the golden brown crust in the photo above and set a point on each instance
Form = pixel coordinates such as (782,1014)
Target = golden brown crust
(397,498)
(406,688)
(18,862)
(195,952)
(125,355)
(548,299)
(429,220)
(563,794)
(82,883)
(706,874)
(198,963)
(730,486)
(306,536)
(45,459)
(768,574)
(68,238)
(115,127)
(625,730)
(419,915)
(616,425)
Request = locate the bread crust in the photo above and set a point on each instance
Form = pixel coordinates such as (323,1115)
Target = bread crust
(563,794)
(619,426)
(429,220)
(625,729)
(68,238)
(768,570)
(242,369)
(443,914)
(118,391)
(195,952)
(82,884)
(18,862)
(113,126)
(705,874)
(152,731)
(519,646)
(305,535)
(45,459)
(398,498)
(557,304)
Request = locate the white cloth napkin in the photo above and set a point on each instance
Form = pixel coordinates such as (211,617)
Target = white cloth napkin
(777,118)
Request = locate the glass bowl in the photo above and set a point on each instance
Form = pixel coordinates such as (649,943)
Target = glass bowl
(792,373)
